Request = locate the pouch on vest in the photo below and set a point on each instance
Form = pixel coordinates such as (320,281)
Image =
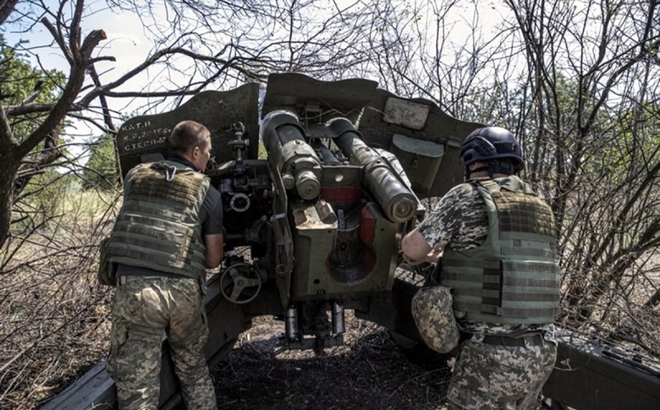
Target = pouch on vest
(434,317)
(107,269)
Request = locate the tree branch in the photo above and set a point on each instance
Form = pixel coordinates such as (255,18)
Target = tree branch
(71,90)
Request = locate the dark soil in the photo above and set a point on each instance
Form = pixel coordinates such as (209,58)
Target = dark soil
(367,372)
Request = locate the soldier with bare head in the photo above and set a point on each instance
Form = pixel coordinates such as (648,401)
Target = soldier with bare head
(168,231)
(497,242)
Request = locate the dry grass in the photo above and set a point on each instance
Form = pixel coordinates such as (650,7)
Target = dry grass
(622,315)
(53,313)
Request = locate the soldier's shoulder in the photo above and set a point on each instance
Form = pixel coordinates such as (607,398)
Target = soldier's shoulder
(212,195)
(462,192)
(131,172)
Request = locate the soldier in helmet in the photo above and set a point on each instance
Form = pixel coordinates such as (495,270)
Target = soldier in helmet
(497,241)
(168,231)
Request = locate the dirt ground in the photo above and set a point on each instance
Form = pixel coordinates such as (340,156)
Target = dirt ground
(367,372)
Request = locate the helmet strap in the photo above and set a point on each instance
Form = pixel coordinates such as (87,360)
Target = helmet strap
(501,167)
(493,167)
(469,172)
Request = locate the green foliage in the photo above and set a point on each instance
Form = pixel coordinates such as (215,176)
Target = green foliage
(18,79)
(262,153)
(101,170)
(23,84)
(41,201)
(50,190)
(627,148)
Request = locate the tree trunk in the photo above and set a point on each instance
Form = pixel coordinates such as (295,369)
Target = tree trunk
(8,172)
(6,9)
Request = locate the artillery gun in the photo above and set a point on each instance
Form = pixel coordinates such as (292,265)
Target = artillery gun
(322,215)
(313,224)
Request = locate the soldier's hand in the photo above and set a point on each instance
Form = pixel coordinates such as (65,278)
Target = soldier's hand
(434,256)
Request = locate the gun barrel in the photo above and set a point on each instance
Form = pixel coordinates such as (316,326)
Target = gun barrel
(292,156)
(395,198)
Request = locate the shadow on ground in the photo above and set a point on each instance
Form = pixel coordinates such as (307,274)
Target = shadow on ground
(367,372)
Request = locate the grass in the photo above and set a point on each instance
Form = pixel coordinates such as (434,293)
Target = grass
(53,314)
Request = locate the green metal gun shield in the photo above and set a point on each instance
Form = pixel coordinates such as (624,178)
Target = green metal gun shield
(434,317)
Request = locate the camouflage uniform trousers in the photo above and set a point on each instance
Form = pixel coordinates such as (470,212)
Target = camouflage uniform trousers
(500,377)
(143,308)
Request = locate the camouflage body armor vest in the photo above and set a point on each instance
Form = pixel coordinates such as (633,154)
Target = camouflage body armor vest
(158,226)
(513,278)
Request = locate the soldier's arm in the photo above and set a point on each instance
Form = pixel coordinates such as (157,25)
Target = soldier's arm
(213,229)
(425,243)
(214,249)
(415,248)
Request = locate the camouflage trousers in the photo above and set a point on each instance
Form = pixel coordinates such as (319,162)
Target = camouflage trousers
(500,377)
(145,307)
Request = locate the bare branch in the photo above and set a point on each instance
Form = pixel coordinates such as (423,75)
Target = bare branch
(58,39)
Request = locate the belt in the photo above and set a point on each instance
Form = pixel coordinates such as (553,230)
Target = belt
(535,340)
(129,278)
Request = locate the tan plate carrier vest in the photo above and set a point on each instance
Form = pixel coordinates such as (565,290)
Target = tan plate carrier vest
(158,226)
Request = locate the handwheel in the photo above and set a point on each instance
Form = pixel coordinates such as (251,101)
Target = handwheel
(240,283)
